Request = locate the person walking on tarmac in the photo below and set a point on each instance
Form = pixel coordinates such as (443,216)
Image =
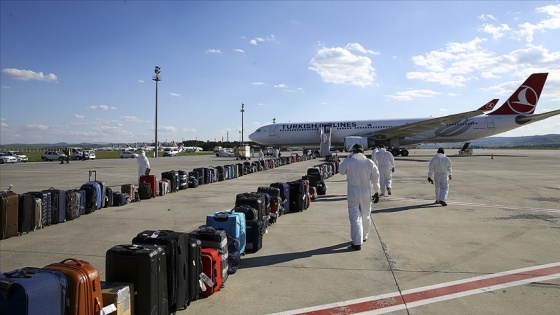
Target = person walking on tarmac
(440,167)
(143,164)
(386,164)
(361,173)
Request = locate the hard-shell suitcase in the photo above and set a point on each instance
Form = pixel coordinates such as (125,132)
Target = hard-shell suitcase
(145,191)
(163,187)
(108,196)
(214,238)
(220,173)
(249,212)
(46,206)
(84,286)
(257,201)
(72,205)
(200,175)
(94,192)
(212,270)
(254,236)
(9,211)
(129,189)
(150,179)
(194,268)
(58,201)
(231,222)
(284,193)
(30,291)
(192,182)
(182,179)
(297,196)
(145,266)
(175,246)
(26,213)
(102,202)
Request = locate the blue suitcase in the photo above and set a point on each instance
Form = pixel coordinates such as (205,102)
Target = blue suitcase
(58,201)
(231,222)
(33,291)
(284,193)
(46,206)
(96,193)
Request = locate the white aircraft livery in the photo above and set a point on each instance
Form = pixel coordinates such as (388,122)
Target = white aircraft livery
(517,111)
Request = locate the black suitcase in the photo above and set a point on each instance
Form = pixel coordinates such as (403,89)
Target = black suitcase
(145,191)
(182,179)
(254,236)
(26,213)
(108,197)
(254,200)
(175,246)
(194,268)
(173,177)
(120,199)
(145,266)
(73,200)
(297,195)
(284,193)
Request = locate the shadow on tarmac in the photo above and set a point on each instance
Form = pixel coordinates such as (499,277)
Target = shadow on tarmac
(253,262)
(397,209)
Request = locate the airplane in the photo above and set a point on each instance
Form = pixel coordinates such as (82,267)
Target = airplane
(396,134)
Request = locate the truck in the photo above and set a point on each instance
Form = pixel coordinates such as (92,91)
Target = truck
(351,140)
(242,152)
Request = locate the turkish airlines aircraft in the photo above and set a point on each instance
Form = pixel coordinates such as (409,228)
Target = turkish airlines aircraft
(517,111)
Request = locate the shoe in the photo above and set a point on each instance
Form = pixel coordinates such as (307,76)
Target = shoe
(443,203)
(355,247)
(389,191)
(365,239)
(381,194)
(437,202)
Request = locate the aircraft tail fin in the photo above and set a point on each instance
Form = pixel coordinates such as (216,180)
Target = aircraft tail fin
(524,100)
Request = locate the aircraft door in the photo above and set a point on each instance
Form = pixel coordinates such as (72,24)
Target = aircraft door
(489,123)
(272,131)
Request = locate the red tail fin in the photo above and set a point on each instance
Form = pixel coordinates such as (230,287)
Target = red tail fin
(525,98)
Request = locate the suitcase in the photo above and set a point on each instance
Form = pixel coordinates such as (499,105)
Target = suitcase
(108,197)
(194,268)
(285,194)
(94,196)
(217,239)
(220,173)
(182,180)
(297,196)
(231,222)
(257,201)
(163,187)
(84,286)
(175,246)
(58,201)
(46,206)
(192,182)
(30,291)
(129,190)
(173,178)
(73,204)
(150,179)
(254,236)
(144,266)
(200,175)
(307,196)
(249,212)
(26,213)
(145,191)
(120,199)
(9,211)
(234,255)
(211,267)
(93,178)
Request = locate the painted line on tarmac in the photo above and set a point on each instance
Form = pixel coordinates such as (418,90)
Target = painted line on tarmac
(391,302)
(481,205)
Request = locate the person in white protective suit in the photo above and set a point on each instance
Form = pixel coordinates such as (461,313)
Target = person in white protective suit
(143,164)
(440,167)
(261,155)
(386,164)
(361,173)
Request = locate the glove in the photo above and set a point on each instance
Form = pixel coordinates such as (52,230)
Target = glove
(430,181)
(392,170)
(375,198)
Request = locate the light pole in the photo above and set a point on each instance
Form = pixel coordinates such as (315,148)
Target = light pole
(242,111)
(157,79)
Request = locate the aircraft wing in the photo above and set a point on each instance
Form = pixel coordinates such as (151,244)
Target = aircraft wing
(428,124)
(534,118)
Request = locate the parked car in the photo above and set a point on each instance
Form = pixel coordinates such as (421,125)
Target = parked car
(4,158)
(53,156)
(125,154)
(18,155)
(90,154)
(225,153)
(171,151)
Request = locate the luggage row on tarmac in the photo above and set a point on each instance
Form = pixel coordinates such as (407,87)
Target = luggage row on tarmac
(161,271)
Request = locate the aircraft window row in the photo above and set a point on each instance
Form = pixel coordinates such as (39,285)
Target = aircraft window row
(463,124)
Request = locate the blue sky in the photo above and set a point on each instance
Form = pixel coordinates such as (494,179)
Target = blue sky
(81,71)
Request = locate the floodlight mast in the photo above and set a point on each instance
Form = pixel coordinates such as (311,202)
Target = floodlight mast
(156,78)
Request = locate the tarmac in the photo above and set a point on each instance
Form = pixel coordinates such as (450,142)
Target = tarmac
(493,250)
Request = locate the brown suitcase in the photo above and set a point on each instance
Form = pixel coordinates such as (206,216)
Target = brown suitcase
(9,209)
(84,286)
(128,189)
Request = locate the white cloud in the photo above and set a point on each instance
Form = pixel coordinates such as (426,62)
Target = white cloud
(281,86)
(3,122)
(101,107)
(340,66)
(132,119)
(26,75)
(167,128)
(213,51)
(5,87)
(175,94)
(486,17)
(255,41)
(496,31)
(239,50)
(528,30)
(141,81)
(258,83)
(360,48)
(37,127)
(412,94)
(79,116)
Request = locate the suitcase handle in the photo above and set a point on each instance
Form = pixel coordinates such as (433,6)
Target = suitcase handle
(76,261)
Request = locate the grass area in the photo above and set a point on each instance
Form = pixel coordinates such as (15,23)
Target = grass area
(35,156)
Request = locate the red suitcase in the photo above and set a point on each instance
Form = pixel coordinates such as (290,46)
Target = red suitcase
(211,268)
(152,180)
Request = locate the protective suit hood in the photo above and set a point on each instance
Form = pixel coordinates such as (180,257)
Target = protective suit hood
(358,156)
